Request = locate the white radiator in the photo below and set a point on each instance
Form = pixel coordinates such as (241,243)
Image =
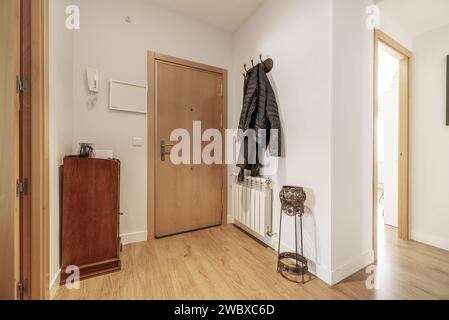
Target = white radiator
(252,205)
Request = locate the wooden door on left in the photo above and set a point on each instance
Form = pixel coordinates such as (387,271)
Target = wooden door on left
(9,142)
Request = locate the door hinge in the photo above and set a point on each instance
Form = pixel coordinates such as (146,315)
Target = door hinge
(20,290)
(22,85)
(22,187)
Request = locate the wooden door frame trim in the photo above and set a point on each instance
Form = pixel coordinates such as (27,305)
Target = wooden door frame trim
(40,275)
(153,57)
(404,210)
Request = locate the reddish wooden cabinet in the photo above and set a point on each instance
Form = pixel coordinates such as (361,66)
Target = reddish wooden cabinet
(90,216)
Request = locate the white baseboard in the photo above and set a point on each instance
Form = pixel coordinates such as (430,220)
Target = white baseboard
(134,237)
(431,240)
(230,218)
(319,271)
(352,267)
(54,285)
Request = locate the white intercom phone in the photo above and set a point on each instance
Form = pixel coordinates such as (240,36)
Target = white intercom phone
(93,78)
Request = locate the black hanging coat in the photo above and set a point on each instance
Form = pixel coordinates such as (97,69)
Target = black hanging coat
(260,112)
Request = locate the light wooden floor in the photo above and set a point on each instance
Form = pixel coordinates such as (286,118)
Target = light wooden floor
(224,263)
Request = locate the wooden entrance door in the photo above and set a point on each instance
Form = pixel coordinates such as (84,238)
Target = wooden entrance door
(187,196)
(9,142)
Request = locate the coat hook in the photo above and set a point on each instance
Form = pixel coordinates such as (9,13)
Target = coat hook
(245,67)
(252,62)
(261,60)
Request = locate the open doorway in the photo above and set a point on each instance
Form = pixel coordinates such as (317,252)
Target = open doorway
(392,79)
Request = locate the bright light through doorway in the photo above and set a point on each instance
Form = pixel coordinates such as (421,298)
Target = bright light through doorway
(388,140)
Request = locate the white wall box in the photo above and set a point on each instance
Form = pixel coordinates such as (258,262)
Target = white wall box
(128,97)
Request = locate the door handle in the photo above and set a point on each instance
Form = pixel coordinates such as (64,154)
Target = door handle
(164,150)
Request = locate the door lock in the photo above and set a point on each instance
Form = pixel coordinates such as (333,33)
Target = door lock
(164,150)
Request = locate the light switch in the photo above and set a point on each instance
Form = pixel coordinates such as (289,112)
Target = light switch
(137,142)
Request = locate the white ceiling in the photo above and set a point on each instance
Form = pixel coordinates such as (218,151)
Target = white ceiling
(227,15)
(417,16)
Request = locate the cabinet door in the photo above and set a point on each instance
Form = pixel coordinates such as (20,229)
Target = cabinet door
(90,211)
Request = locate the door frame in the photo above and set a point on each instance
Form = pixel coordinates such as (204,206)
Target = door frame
(40,168)
(39,180)
(405,105)
(153,58)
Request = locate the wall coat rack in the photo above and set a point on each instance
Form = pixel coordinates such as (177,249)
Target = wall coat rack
(268,65)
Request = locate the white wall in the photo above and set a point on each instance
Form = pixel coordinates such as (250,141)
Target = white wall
(352,137)
(393,28)
(296,34)
(324,99)
(61,110)
(429,172)
(323,78)
(430,136)
(119,51)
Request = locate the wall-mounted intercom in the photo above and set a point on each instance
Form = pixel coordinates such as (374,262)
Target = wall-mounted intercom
(93,78)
